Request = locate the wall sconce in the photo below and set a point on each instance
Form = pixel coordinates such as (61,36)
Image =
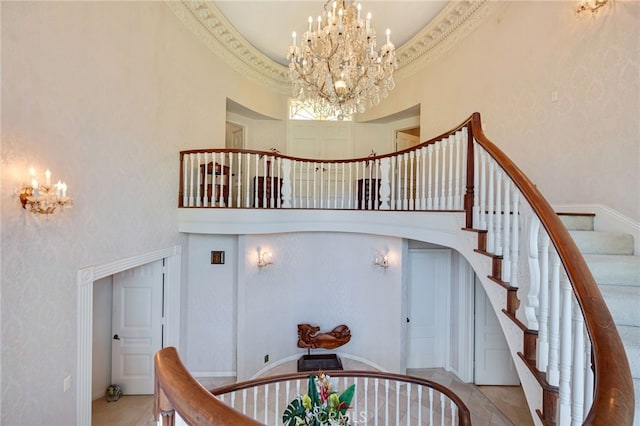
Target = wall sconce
(382,260)
(45,198)
(264,259)
(590,5)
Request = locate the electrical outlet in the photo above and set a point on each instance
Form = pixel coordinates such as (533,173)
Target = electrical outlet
(66,384)
(266,358)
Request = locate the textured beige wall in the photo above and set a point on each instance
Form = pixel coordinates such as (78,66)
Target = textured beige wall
(105,94)
(584,148)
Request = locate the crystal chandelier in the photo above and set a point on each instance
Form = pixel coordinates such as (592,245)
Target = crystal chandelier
(336,68)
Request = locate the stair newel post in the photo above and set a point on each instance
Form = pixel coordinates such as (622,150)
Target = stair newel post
(577,382)
(506,252)
(542,356)
(286,183)
(564,409)
(553,373)
(534,273)
(385,189)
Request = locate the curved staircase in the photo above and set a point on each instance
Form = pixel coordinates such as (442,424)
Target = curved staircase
(610,257)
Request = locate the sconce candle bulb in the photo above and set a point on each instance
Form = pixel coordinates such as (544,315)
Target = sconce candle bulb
(264,259)
(44,199)
(382,261)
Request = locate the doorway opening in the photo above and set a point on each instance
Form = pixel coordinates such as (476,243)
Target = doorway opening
(86,279)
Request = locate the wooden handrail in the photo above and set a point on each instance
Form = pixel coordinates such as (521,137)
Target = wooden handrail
(464,415)
(613,402)
(177,390)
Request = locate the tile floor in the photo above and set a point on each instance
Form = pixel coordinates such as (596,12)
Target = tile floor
(489,405)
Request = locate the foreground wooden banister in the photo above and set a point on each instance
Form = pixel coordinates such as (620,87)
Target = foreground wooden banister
(613,401)
(177,391)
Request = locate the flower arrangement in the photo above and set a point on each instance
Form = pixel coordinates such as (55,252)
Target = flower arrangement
(321,406)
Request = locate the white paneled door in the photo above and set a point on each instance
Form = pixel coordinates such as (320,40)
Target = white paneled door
(493,363)
(136,327)
(428,320)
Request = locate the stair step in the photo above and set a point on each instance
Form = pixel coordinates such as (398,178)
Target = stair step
(623,304)
(621,270)
(577,221)
(631,341)
(598,242)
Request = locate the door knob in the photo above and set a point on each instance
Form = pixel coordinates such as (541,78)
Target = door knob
(116,337)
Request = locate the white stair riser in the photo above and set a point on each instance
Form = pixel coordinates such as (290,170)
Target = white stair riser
(577,222)
(594,242)
(623,304)
(615,269)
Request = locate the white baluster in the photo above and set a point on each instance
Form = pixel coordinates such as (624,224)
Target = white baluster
(385,188)
(491,236)
(205,183)
(228,180)
(198,179)
(247,187)
(564,399)
(443,404)
(239,180)
(423,177)
(450,184)
(191,184)
(286,183)
(411,205)
(534,274)
(577,382)
(405,200)
(350,197)
(308,180)
(553,372)
(420,404)
(408,413)
(276,187)
(386,402)
(220,180)
(506,240)
(457,197)
(375,399)
(272,177)
(266,402)
(377,185)
(430,184)
(185,170)
(515,238)
(542,346)
(443,184)
(256,183)
(430,406)
(436,185)
(315,183)
(393,183)
(499,213)
(343,181)
(329,185)
(476,187)
(588,375)
(483,189)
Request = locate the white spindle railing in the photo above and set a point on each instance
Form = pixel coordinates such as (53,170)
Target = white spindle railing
(415,179)
(382,399)
(549,305)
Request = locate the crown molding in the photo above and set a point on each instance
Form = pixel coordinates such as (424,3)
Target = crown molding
(452,24)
